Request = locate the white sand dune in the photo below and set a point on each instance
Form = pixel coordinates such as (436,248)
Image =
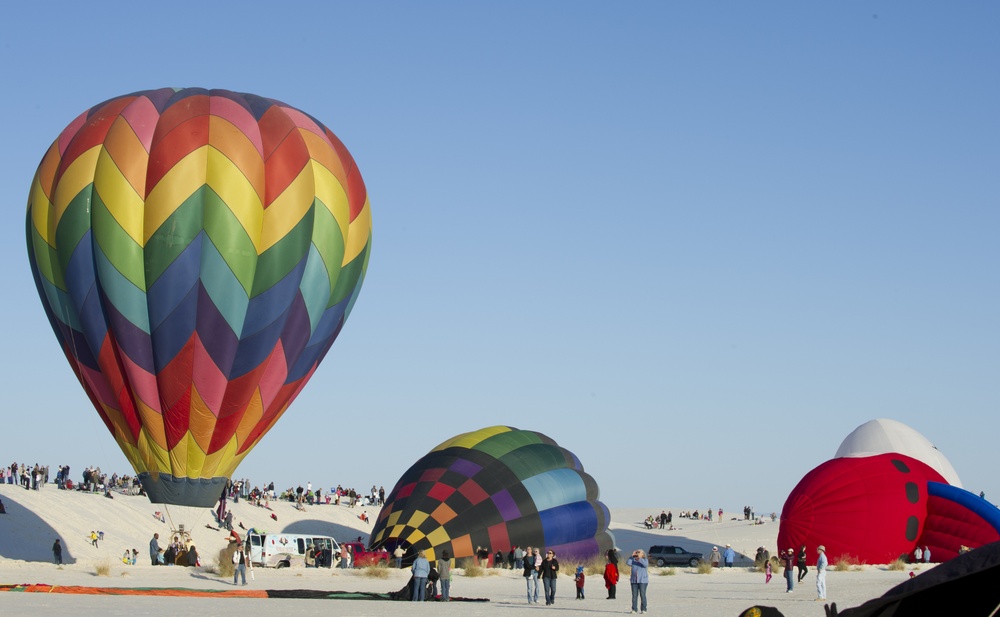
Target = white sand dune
(35,519)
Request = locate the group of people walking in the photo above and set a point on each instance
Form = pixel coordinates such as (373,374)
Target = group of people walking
(547,569)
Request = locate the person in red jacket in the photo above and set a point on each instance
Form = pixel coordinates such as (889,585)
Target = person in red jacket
(611,574)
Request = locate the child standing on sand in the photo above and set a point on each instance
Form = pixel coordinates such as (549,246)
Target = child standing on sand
(579,577)
(767,571)
(611,574)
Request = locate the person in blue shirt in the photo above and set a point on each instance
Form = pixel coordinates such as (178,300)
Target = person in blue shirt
(639,579)
(821,563)
(420,569)
(728,556)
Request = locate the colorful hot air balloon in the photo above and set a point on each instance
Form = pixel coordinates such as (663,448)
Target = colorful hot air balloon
(197,253)
(496,487)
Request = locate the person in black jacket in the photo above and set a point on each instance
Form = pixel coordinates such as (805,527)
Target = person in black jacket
(550,572)
(800,563)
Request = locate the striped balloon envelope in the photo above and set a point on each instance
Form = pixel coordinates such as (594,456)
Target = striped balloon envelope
(496,488)
(197,253)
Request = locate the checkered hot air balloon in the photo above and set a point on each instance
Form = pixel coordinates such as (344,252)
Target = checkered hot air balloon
(197,253)
(496,487)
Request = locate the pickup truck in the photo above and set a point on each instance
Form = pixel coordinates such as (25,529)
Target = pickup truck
(361,556)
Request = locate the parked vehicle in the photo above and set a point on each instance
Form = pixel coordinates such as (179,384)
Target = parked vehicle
(361,556)
(283,550)
(673,556)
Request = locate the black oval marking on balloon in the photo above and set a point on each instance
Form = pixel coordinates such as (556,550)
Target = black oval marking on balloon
(912,492)
(900,465)
(912,527)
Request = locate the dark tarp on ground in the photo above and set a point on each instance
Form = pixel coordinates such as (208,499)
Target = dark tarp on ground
(317,594)
(967,584)
(302,594)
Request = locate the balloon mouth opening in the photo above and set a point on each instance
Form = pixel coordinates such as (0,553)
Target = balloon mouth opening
(182,491)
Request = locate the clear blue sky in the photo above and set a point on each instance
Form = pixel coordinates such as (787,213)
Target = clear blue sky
(695,243)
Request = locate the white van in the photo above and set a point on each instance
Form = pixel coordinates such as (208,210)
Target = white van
(283,550)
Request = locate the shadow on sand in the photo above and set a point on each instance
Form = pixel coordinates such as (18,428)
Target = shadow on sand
(323,528)
(24,536)
(627,540)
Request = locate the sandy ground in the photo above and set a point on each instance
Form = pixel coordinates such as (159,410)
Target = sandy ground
(34,519)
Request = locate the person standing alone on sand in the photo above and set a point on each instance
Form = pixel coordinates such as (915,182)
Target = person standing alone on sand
(821,564)
(154,548)
(788,560)
(240,563)
(611,574)
(801,563)
(639,579)
(57,552)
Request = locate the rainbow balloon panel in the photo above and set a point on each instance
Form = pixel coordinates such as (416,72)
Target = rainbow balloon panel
(497,487)
(197,253)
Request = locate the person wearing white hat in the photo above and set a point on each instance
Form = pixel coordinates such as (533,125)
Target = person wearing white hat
(788,560)
(821,563)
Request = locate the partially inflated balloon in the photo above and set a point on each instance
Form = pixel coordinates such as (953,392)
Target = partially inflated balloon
(197,253)
(871,509)
(496,487)
(956,518)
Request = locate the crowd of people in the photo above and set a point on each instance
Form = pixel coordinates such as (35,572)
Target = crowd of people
(28,477)
(180,551)
(302,496)
(92,479)
(425,578)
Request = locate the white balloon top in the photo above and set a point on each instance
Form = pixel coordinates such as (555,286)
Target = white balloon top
(883,436)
